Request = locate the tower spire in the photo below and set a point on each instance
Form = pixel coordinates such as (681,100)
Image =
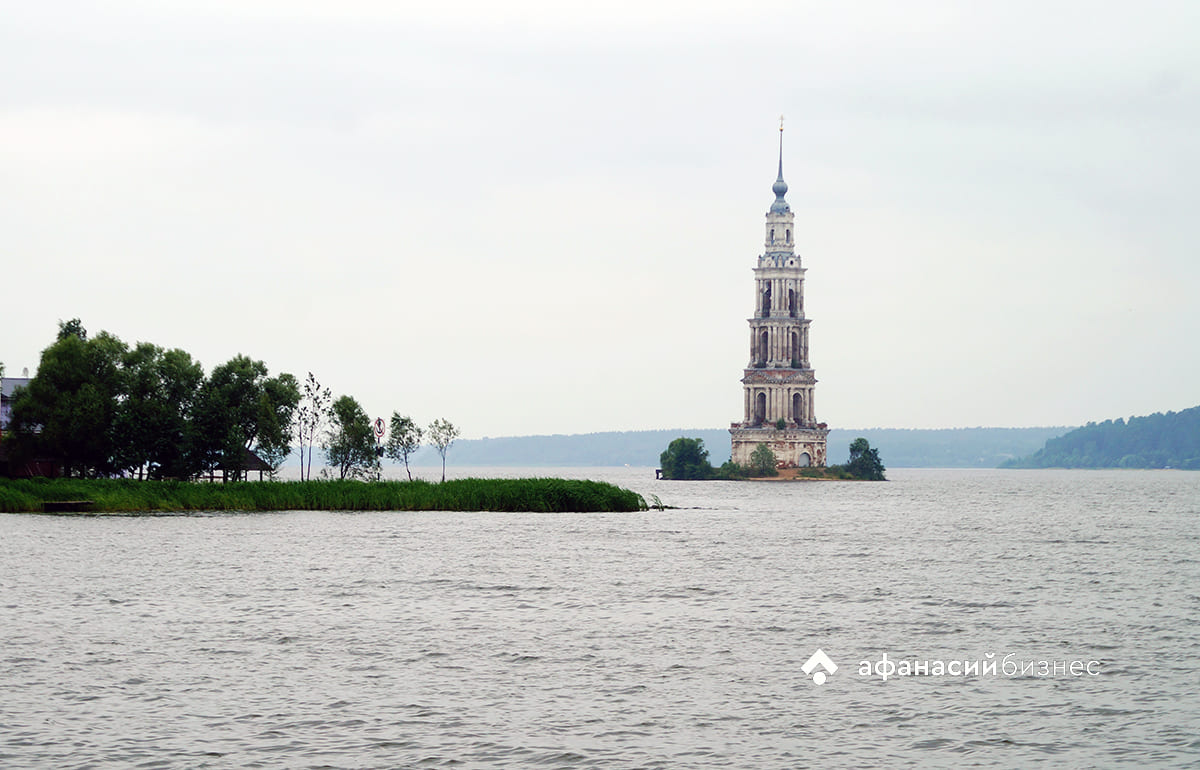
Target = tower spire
(780,187)
(780,148)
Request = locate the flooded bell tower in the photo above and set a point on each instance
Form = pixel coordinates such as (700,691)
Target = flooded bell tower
(779,382)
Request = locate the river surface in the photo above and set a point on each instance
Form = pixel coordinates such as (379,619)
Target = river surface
(1043,617)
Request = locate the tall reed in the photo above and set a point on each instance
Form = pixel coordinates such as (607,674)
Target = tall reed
(131,496)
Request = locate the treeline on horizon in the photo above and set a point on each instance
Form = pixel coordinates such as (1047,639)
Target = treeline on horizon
(1159,440)
(903,447)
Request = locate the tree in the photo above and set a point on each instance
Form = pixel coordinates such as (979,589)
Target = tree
(67,411)
(99,407)
(864,461)
(685,458)
(350,444)
(763,461)
(153,417)
(404,440)
(442,434)
(277,412)
(310,418)
(73,328)
(238,406)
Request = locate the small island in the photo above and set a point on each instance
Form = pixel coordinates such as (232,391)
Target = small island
(687,459)
(109,428)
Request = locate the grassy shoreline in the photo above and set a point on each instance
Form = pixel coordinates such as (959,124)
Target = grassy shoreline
(125,496)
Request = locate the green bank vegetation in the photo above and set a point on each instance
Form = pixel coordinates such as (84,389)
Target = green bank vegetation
(1170,440)
(98,407)
(539,495)
(687,459)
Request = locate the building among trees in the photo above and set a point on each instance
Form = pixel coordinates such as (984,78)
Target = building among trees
(779,383)
(8,394)
(25,466)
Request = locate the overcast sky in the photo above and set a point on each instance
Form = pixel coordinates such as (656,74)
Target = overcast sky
(542,217)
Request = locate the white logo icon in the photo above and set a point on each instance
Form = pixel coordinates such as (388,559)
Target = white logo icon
(819,658)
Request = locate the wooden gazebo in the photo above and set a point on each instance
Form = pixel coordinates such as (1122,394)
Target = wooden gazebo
(250,462)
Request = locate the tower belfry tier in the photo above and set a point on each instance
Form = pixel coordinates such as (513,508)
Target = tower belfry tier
(779,383)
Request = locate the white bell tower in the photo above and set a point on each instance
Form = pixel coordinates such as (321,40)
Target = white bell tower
(779,383)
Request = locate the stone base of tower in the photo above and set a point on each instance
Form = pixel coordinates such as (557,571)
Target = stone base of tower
(793,447)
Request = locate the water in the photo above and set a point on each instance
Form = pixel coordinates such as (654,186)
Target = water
(663,639)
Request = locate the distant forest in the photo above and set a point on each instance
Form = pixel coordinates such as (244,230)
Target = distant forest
(898,448)
(1170,440)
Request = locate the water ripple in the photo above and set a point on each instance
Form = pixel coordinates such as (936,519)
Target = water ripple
(658,640)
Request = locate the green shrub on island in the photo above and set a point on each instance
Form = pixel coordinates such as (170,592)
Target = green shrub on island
(864,462)
(731,471)
(686,459)
(538,495)
(763,461)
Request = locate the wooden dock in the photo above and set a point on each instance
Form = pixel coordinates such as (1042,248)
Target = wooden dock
(68,506)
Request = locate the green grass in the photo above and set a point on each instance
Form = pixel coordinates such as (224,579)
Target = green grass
(837,472)
(542,495)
